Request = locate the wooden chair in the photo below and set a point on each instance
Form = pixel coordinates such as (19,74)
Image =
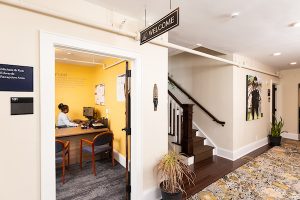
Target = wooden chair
(102,142)
(62,150)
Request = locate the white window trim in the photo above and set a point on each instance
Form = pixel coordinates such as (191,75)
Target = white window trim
(48,42)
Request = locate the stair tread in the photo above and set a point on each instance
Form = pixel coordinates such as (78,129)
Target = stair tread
(198,138)
(176,143)
(202,149)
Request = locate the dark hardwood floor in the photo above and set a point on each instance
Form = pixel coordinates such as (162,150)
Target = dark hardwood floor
(210,170)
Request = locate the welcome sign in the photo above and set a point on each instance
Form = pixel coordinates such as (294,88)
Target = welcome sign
(160,27)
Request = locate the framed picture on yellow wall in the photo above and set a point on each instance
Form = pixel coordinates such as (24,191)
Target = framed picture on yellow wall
(121,88)
(100,94)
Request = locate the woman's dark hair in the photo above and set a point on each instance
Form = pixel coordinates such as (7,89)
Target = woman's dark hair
(62,106)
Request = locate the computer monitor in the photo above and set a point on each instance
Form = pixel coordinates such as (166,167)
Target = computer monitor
(88,112)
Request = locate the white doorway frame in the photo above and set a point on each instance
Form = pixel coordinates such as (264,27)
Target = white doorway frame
(48,42)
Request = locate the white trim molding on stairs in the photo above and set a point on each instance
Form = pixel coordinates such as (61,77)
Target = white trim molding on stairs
(207,141)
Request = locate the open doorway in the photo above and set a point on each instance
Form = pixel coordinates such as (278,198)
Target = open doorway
(91,99)
(298,109)
(47,95)
(274,102)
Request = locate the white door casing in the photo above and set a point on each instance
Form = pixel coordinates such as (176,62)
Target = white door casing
(48,42)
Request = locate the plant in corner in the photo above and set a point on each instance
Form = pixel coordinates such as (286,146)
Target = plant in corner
(276,130)
(172,172)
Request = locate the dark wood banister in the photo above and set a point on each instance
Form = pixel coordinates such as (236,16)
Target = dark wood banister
(195,101)
(173,97)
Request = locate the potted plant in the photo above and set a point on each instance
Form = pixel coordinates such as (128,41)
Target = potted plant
(172,172)
(276,130)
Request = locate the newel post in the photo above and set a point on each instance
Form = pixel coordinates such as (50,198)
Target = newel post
(187,130)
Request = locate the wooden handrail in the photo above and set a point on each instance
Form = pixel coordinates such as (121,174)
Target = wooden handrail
(173,97)
(196,102)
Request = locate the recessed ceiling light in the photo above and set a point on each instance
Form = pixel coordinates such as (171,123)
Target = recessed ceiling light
(235,14)
(277,54)
(69,53)
(198,44)
(293,63)
(295,24)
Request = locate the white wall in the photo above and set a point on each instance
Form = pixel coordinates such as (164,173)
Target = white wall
(20,149)
(210,83)
(248,132)
(222,90)
(289,80)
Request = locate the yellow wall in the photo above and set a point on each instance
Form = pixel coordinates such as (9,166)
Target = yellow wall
(75,86)
(116,115)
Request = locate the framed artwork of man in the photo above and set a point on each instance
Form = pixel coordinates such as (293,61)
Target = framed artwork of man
(253,98)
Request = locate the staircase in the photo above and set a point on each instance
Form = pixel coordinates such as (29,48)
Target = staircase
(181,133)
(201,151)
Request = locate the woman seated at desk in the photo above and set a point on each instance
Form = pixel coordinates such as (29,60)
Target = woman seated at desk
(63,119)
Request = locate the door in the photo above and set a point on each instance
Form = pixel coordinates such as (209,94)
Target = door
(127,129)
(274,90)
(298,109)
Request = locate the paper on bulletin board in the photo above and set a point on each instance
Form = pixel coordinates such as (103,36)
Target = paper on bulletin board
(100,94)
(121,88)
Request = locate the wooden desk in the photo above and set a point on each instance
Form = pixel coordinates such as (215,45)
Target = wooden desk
(73,131)
(74,134)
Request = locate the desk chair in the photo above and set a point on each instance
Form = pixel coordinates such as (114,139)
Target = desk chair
(102,142)
(62,149)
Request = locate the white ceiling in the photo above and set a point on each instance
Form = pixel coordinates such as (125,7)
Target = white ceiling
(262,28)
(79,57)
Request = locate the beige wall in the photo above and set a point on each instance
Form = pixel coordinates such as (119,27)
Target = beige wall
(210,83)
(247,132)
(289,80)
(20,169)
(222,90)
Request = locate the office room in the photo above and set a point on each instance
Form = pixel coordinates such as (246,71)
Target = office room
(90,114)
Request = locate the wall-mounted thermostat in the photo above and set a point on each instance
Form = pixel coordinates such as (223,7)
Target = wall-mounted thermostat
(21,105)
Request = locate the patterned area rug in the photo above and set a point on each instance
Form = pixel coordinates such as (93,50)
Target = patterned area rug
(272,175)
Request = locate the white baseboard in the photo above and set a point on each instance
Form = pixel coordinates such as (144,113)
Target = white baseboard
(224,153)
(292,136)
(249,148)
(234,155)
(152,194)
(120,158)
